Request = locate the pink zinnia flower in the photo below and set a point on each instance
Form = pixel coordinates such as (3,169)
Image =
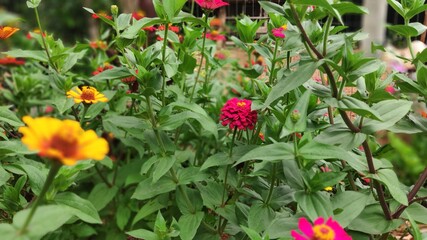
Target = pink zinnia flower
(278,32)
(238,113)
(390,89)
(215,36)
(329,230)
(211,4)
(11,61)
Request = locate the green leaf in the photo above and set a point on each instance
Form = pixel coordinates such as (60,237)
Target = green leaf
(260,216)
(301,107)
(80,207)
(164,163)
(46,219)
(324,4)
(4,176)
(8,232)
(348,103)
(148,209)
(276,151)
(389,178)
(188,225)
(28,54)
(340,135)
(101,195)
(172,122)
(412,30)
(33,3)
(372,221)
(111,74)
(211,194)
(289,83)
(9,117)
(325,179)
(252,234)
(316,151)
(173,7)
(143,234)
(133,31)
(271,7)
(391,111)
(218,159)
(397,7)
(422,75)
(147,189)
(348,205)
(417,212)
(314,204)
(349,7)
(62,103)
(123,214)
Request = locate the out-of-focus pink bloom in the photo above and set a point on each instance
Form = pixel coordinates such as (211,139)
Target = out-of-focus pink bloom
(311,8)
(390,89)
(11,61)
(220,55)
(211,4)
(278,32)
(215,36)
(138,14)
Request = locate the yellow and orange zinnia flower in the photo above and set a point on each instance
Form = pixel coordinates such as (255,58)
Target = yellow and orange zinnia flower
(86,94)
(6,32)
(62,140)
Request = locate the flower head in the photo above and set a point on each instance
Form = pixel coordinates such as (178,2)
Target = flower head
(86,94)
(11,61)
(138,14)
(321,230)
(98,44)
(101,14)
(278,32)
(211,4)
(390,89)
(215,36)
(6,32)
(215,22)
(423,114)
(102,68)
(63,141)
(238,113)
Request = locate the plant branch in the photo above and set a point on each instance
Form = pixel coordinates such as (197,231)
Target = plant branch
(418,184)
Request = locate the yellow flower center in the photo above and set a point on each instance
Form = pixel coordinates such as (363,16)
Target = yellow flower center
(214,33)
(88,93)
(241,104)
(329,189)
(284,27)
(323,232)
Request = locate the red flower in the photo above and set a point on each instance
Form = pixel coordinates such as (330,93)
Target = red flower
(278,32)
(216,22)
(138,14)
(261,136)
(390,89)
(98,44)
(103,14)
(329,230)
(100,69)
(238,113)
(174,29)
(11,61)
(215,36)
(150,29)
(211,4)
(220,56)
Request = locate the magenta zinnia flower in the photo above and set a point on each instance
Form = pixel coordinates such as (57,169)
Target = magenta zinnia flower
(278,32)
(238,113)
(215,36)
(211,4)
(321,230)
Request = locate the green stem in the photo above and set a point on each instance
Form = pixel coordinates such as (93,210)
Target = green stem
(206,73)
(56,165)
(340,91)
(82,119)
(326,34)
(201,58)
(43,40)
(226,178)
(288,60)
(165,44)
(103,178)
(409,41)
(273,62)
(273,180)
(296,151)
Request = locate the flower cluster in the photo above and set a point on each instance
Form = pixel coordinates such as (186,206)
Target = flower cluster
(98,44)
(63,141)
(6,32)
(321,230)
(35,31)
(86,94)
(138,15)
(238,113)
(101,14)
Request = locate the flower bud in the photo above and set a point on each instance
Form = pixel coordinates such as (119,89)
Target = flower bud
(114,10)
(295,116)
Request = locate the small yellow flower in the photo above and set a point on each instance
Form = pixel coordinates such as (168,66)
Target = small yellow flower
(63,141)
(284,27)
(86,94)
(328,189)
(6,32)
